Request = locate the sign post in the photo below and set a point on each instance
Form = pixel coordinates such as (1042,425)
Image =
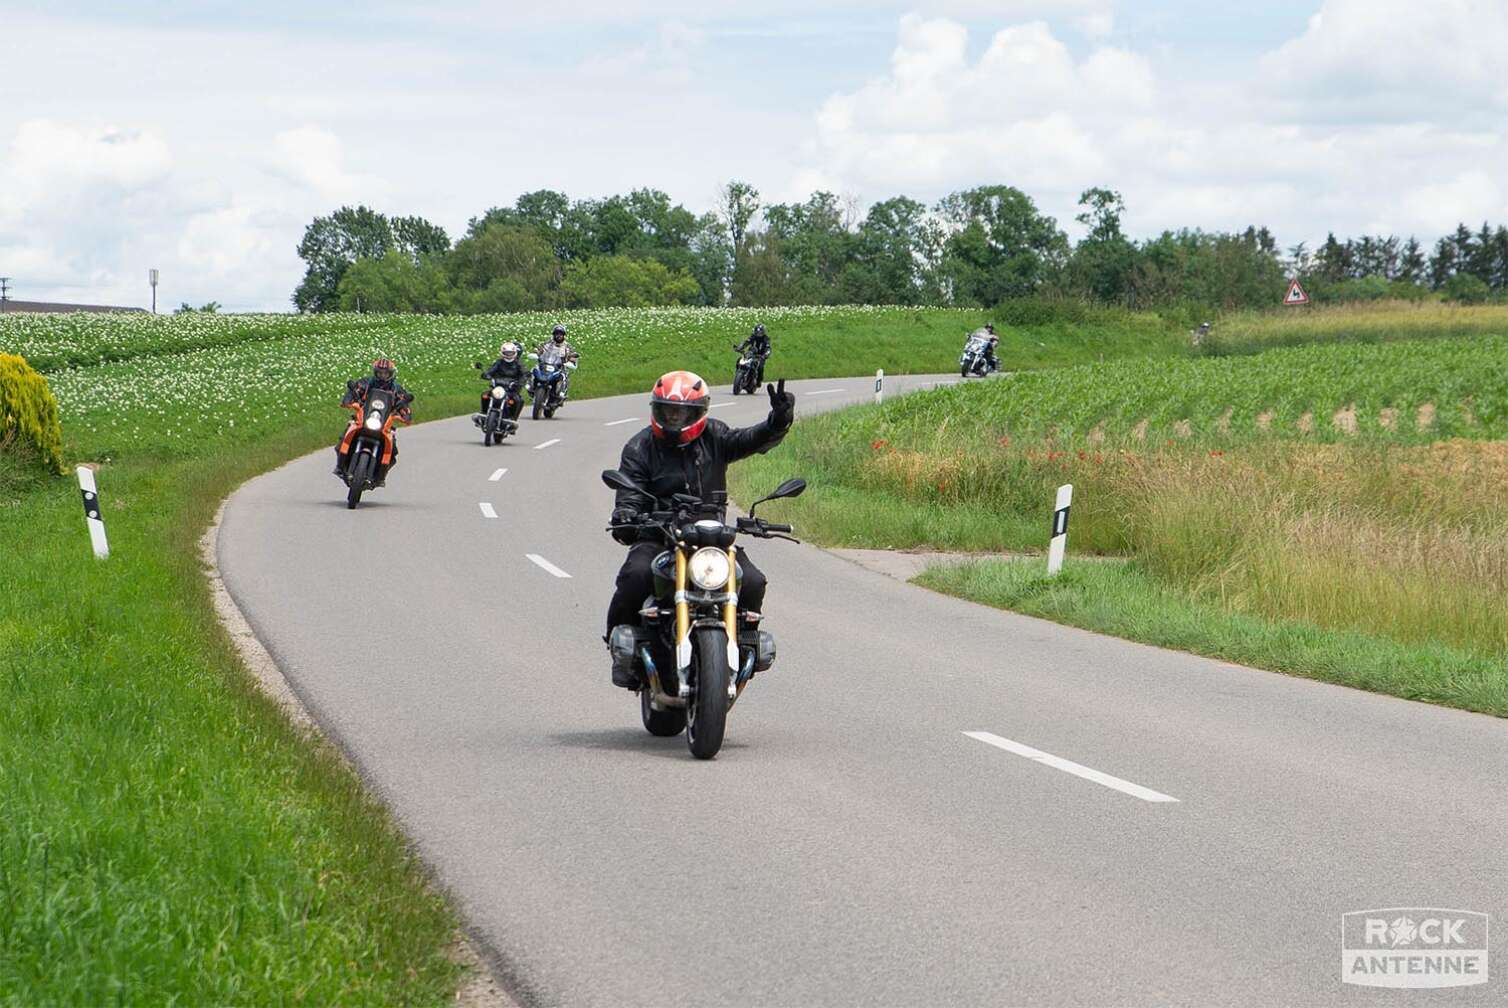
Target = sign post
(152,279)
(1058,545)
(1296,294)
(92,515)
(879,385)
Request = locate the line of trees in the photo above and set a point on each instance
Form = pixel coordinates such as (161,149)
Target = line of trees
(975,248)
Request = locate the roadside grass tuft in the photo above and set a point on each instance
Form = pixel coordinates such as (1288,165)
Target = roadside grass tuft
(1119,598)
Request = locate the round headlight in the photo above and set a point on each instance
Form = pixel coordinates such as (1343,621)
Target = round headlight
(708,568)
(498,392)
(374,423)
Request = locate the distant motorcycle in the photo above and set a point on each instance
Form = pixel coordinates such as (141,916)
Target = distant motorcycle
(368,441)
(503,403)
(973,362)
(547,385)
(746,373)
(688,648)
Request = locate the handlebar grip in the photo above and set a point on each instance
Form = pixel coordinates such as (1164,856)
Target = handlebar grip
(772,527)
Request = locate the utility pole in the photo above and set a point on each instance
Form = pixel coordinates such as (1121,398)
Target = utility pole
(4,292)
(152,279)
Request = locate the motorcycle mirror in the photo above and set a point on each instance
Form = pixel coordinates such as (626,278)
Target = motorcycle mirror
(618,481)
(477,365)
(790,488)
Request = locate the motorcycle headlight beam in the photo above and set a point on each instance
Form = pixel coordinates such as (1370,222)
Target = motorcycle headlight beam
(497,392)
(374,423)
(708,568)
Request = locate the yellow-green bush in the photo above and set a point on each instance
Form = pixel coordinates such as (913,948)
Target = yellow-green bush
(29,425)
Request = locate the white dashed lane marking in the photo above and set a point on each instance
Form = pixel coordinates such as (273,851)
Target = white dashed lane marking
(496,476)
(546,565)
(826,391)
(547,444)
(1069,766)
(614,423)
(487,510)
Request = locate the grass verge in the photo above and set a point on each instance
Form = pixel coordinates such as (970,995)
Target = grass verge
(1119,598)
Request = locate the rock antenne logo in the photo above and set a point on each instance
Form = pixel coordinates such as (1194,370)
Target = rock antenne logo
(1413,947)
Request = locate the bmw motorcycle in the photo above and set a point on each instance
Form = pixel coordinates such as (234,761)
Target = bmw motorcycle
(691,657)
(547,385)
(368,441)
(973,362)
(746,373)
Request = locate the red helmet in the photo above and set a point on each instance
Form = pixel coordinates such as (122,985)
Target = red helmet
(678,407)
(383,369)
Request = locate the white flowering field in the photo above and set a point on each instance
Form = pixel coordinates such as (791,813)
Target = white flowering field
(169,383)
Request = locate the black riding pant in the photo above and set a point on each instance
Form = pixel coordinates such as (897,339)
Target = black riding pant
(636,581)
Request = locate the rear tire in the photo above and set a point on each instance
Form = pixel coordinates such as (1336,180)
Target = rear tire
(707,713)
(361,468)
(662,723)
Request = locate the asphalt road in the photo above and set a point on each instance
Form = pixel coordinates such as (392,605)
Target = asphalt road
(1126,825)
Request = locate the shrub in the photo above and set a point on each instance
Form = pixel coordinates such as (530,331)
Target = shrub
(29,426)
(1466,288)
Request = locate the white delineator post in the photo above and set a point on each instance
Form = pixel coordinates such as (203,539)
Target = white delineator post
(92,516)
(1059,542)
(879,385)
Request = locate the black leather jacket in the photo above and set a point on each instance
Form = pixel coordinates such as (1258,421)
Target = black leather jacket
(357,392)
(700,468)
(756,345)
(505,371)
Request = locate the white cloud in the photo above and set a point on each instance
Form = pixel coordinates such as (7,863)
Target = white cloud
(1030,112)
(313,158)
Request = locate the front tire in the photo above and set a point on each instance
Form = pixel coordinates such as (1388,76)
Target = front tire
(361,469)
(538,409)
(707,714)
(487,435)
(666,723)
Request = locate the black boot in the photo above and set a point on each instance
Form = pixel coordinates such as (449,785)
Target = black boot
(622,645)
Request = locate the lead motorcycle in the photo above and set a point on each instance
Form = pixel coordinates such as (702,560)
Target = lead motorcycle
(368,441)
(547,385)
(692,659)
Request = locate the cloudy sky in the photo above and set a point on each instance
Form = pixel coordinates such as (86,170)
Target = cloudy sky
(201,137)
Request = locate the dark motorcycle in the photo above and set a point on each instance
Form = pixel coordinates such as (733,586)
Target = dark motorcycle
(503,403)
(973,362)
(547,385)
(746,373)
(690,655)
(368,442)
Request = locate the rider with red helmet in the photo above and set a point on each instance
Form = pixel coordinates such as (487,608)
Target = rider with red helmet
(683,450)
(384,376)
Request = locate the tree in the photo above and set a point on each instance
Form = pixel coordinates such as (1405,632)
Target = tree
(504,267)
(1466,288)
(1103,262)
(815,245)
(330,245)
(416,237)
(394,283)
(895,256)
(1000,246)
(626,281)
(1411,263)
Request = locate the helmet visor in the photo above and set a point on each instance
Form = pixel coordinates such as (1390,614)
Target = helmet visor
(674,417)
(383,373)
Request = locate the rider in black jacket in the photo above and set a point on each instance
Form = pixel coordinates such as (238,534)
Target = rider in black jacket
(684,451)
(758,346)
(384,376)
(508,368)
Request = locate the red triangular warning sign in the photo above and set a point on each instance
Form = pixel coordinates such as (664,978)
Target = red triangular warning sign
(1295,294)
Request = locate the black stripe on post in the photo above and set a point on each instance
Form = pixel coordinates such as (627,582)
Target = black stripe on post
(91,504)
(1060,522)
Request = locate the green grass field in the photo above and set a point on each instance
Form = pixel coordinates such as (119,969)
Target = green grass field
(1349,489)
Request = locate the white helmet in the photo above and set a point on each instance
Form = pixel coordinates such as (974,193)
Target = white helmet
(508,351)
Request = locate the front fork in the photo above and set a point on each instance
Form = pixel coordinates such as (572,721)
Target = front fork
(683,622)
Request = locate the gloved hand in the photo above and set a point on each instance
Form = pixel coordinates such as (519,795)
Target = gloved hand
(625,516)
(782,405)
